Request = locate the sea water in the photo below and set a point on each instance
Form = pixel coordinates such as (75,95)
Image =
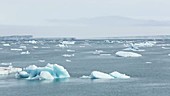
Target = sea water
(147,79)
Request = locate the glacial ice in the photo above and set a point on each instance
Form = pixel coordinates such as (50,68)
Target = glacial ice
(50,71)
(46,75)
(127,54)
(102,75)
(119,75)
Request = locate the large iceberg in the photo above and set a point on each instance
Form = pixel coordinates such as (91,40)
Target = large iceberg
(102,75)
(50,71)
(127,54)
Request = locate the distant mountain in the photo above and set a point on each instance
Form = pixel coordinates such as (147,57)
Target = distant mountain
(109,21)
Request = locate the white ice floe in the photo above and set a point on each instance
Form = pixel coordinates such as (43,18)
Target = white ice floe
(6,45)
(62,45)
(68,55)
(69,50)
(9,70)
(6,63)
(133,49)
(168,54)
(15,49)
(104,54)
(27,52)
(145,44)
(68,42)
(35,47)
(98,51)
(148,62)
(22,74)
(23,47)
(67,60)
(127,54)
(50,71)
(32,42)
(119,75)
(45,47)
(102,75)
(41,60)
(165,47)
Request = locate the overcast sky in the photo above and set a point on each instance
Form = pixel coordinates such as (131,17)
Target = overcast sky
(36,12)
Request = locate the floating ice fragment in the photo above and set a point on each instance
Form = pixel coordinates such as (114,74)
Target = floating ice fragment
(9,70)
(68,42)
(41,60)
(6,45)
(15,49)
(67,60)
(119,75)
(127,54)
(70,50)
(68,55)
(100,75)
(148,62)
(27,52)
(22,74)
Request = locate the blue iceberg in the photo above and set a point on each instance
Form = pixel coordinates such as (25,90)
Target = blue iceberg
(50,71)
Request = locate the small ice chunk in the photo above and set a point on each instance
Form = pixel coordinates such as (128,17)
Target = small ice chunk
(127,54)
(15,49)
(100,75)
(22,74)
(27,52)
(119,75)
(68,42)
(68,55)
(70,50)
(85,77)
(46,75)
(62,45)
(148,62)
(6,45)
(35,47)
(23,47)
(67,60)
(105,54)
(41,60)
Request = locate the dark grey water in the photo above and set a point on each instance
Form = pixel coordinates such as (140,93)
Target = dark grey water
(147,79)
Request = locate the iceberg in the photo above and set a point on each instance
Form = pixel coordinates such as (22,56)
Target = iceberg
(119,75)
(102,75)
(127,54)
(50,71)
